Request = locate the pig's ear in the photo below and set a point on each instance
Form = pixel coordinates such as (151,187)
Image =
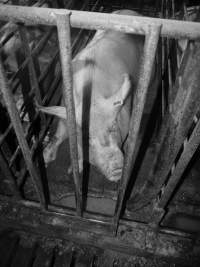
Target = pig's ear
(54,110)
(117,100)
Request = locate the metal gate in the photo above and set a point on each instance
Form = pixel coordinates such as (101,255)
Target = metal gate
(166,157)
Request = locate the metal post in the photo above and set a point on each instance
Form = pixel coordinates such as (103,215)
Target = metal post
(63,26)
(150,47)
(15,119)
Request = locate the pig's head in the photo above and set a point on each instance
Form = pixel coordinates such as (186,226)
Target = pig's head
(104,136)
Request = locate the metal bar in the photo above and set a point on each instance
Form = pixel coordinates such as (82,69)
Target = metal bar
(15,119)
(190,147)
(150,46)
(63,27)
(97,217)
(95,20)
(9,176)
(14,156)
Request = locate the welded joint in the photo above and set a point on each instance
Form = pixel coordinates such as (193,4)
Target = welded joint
(57,16)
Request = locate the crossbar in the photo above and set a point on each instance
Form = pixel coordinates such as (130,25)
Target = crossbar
(95,21)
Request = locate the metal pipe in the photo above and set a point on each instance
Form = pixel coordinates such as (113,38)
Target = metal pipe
(95,20)
(15,119)
(63,27)
(150,46)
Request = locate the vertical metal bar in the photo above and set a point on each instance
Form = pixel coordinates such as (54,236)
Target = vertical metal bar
(63,26)
(150,46)
(9,176)
(15,119)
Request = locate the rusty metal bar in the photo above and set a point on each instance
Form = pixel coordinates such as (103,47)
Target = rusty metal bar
(190,147)
(15,119)
(150,46)
(95,20)
(63,27)
(9,176)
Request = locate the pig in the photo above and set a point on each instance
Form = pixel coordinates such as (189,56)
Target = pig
(105,73)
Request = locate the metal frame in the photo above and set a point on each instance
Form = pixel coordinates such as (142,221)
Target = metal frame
(152,28)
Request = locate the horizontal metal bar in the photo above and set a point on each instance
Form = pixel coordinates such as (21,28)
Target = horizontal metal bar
(97,217)
(63,27)
(95,20)
(15,119)
(133,238)
(150,46)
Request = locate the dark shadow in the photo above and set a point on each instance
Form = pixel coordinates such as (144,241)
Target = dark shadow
(85,139)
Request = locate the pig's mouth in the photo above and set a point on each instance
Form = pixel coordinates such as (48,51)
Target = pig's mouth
(115,175)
